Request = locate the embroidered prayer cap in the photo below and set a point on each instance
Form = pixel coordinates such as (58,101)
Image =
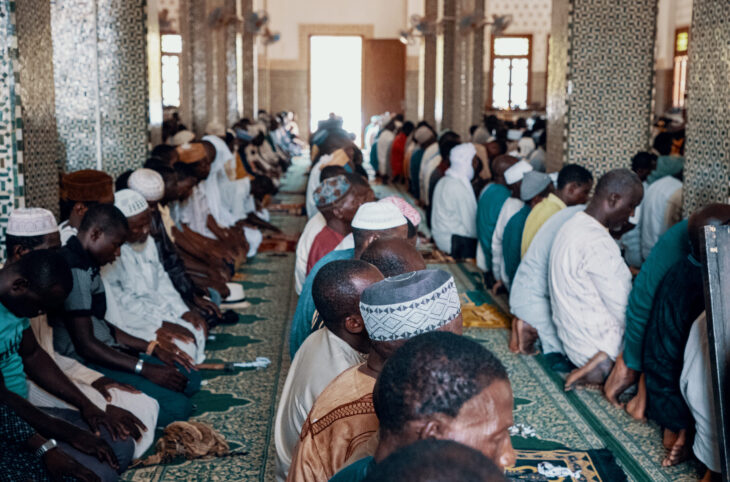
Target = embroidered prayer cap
(130,203)
(406,305)
(148,183)
(377,216)
(27,222)
(422,134)
(87,185)
(331,190)
(516,172)
(215,129)
(405,208)
(190,153)
(182,137)
(533,184)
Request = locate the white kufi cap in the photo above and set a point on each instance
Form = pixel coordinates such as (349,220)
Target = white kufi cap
(148,183)
(376,216)
(130,203)
(29,222)
(517,172)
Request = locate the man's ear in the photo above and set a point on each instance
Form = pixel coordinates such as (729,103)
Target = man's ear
(354,324)
(95,233)
(20,286)
(369,240)
(18,252)
(613,199)
(434,428)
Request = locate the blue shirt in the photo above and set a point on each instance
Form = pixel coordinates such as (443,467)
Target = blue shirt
(11,364)
(488,208)
(301,325)
(512,241)
(355,472)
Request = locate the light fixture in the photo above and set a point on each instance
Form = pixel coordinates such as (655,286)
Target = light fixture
(472,22)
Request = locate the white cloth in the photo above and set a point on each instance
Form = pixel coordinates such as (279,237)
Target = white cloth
(226,199)
(315,224)
(348,242)
(529,297)
(589,289)
(509,209)
(385,142)
(194,212)
(481,256)
(631,241)
(66,232)
(430,160)
(696,386)
(140,296)
(312,184)
(454,211)
(654,207)
(320,359)
(525,146)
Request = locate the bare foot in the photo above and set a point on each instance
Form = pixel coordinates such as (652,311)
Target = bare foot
(620,378)
(677,445)
(637,405)
(526,336)
(514,337)
(592,373)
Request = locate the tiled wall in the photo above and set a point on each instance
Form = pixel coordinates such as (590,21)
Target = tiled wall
(707,170)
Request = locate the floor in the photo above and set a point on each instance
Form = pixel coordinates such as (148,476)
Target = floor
(578,434)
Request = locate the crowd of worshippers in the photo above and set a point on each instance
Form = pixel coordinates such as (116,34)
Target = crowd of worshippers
(105,315)
(602,276)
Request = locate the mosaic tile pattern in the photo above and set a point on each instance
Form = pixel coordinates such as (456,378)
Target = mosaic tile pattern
(231,53)
(707,169)
(40,138)
(557,89)
(198,52)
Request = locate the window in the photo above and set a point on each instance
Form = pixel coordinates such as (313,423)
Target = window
(679,84)
(171,45)
(511,56)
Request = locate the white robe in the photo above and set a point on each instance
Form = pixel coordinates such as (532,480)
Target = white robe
(653,211)
(509,209)
(311,230)
(589,289)
(385,142)
(430,161)
(312,183)
(66,231)
(140,296)
(320,359)
(454,211)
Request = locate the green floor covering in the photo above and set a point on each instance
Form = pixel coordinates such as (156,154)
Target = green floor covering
(579,430)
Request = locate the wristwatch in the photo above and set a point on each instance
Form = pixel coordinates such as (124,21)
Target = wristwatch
(49,445)
(138,366)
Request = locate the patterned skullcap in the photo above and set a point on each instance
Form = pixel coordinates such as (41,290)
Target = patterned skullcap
(403,306)
(515,173)
(87,185)
(377,216)
(190,153)
(148,183)
(29,222)
(130,203)
(331,190)
(405,208)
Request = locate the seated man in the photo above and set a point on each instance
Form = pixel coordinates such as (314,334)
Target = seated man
(343,418)
(140,297)
(535,187)
(436,460)
(589,280)
(32,229)
(529,298)
(327,352)
(574,187)
(37,282)
(440,386)
(372,221)
(491,200)
(424,136)
(454,207)
(657,211)
(642,164)
(83,333)
(79,191)
(393,257)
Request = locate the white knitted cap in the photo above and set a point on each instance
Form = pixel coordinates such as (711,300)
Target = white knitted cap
(376,216)
(148,183)
(517,172)
(130,203)
(28,222)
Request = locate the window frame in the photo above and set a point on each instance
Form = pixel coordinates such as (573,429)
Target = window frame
(493,57)
(163,54)
(680,101)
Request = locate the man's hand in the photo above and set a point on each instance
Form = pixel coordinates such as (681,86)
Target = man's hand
(207,306)
(196,320)
(91,444)
(169,353)
(60,465)
(497,287)
(104,384)
(124,422)
(165,376)
(169,332)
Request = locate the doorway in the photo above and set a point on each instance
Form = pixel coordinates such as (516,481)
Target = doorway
(335,81)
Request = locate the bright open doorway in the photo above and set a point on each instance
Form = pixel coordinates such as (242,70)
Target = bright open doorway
(335,80)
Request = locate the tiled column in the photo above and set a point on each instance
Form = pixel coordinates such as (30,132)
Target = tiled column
(600,82)
(427,69)
(446,63)
(100,76)
(477,67)
(707,167)
(250,68)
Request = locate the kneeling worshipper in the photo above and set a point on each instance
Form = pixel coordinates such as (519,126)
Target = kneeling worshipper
(535,187)
(491,200)
(160,370)
(338,158)
(343,419)
(424,136)
(393,257)
(589,280)
(529,298)
(414,400)
(32,229)
(140,297)
(373,220)
(454,207)
(660,210)
(696,385)
(386,136)
(329,351)
(574,187)
(429,460)
(431,158)
(79,190)
(679,300)
(99,440)
(513,178)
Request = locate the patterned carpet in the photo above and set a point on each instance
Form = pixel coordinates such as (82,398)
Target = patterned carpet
(579,435)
